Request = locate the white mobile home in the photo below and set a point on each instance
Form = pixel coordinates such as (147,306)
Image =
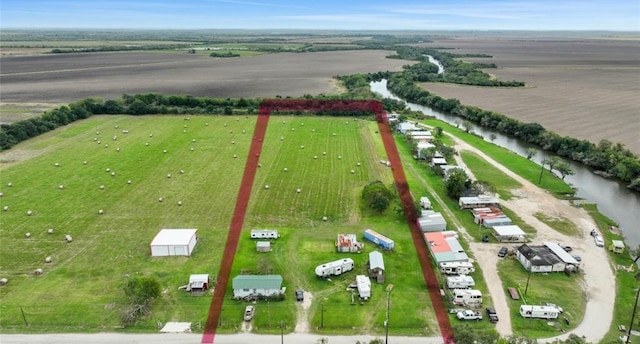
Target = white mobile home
(541,312)
(255,286)
(364,286)
(264,234)
(173,242)
(456,268)
(334,268)
(460,282)
(467,297)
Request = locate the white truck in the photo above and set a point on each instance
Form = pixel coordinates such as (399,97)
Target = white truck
(468,314)
(335,268)
(456,268)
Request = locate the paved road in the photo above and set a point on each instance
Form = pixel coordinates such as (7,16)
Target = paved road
(187,338)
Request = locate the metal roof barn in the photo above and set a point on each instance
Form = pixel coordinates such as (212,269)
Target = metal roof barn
(174,242)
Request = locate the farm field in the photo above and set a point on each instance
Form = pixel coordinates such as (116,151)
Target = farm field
(81,290)
(70,77)
(583,88)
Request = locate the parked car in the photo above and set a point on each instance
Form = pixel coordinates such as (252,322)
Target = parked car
(503,252)
(567,248)
(598,240)
(578,258)
(299,295)
(469,315)
(492,315)
(249,311)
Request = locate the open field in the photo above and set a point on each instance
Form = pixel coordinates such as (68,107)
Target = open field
(580,88)
(69,77)
(80,291)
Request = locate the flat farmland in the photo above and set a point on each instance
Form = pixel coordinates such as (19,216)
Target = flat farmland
(587,88)
(81,289)
(69,77)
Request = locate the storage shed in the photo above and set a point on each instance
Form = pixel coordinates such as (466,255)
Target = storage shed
(617,246)
(432,221)
(263,246)
(510,233)
(348,243)
(478,202)
(198,284)
(174,242)
(376,266)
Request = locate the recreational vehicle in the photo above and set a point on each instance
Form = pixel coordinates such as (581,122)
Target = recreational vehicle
(541,312)
(460,282)
(456,268)
(334,268)
(467,297)
(264,234)
(364,286)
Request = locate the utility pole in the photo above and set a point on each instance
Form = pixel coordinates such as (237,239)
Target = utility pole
(322,315)
(281,333)
(633,315)
(542,163)
(528,277)
(386,322)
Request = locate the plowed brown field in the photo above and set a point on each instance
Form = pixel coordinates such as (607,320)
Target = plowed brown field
(588,89)
(69,77)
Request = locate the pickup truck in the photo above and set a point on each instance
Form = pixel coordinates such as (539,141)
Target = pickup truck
(469,315)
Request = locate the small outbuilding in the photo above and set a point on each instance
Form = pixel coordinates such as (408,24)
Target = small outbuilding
(617,246)
(198,284)
(348,243)
(480,201)
(263,246)
(174,242)
(510,233)
(432,221)
(376,266)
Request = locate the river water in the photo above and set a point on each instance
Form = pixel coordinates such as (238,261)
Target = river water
(613,198)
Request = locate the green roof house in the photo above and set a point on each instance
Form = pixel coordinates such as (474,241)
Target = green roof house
(254,286)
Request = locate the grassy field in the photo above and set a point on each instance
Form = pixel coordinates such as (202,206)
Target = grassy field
(81,290)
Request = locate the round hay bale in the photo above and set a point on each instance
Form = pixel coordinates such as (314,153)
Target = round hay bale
(168,175)
(106,145)
(266,186)
(185,125)
(29,212)
(3,281)
(108,169)
(231,131)
(301,147)
(298,190)
(339,156)
(188,118)
(164,151)
(237,119)
(101,187)
(283,122)
(85,162)
(116,127)
(286,169)
(56,164)
(259,165)
(5,208)
(293,129)
(313,130)
(1,194)
(315,157)
(27,235)
(334,134)
(60,186)
(302,124)
(243,131)
(113,174)
(150,135)
(115,137)
(225,124)
(146,143)
(95,139)
(325,219)
(47,259)
(97,133)
(192,149)
(184,131)
(38,271)
(181,171)
(161,199)
(324,153)
(206,124)
(129,181)
(117,149)
(101,212)
(193,140)
(352,171)
(235,156)
(358,164)
(98,142)
(281,138)
(179,203)
(233,142)
(50,231)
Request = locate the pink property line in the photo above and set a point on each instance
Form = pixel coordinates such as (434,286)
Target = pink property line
(235,228)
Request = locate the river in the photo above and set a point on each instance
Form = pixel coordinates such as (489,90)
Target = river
(613,198)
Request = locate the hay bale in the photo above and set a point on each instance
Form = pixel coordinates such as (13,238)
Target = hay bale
(325,219)
(97,133)
(301,147)
(125,131)
(1,194)
(117,149)
(56,164)
(115,137)
(164,151)
(108,169)
(235,156)
(101,212)
(315,157)
(150,135)
(85,162)
(29,212)
(286,169)
(95,139)
(283,122)
(206,124)
(192,149)
(113,174)
(358,164)
(161,199)
(352,171)
(185,125)
(324,153)
(193,140)
(3,281)
(302,124)
(146,143)
(68,238)
(106,145)
(281,138)
(98,142)
(129,181)
(259,165)
(38,272)
(231,131)
(181,171)
(60,186)
(27,235)
(9,184)
(50,231)
(293,129)
(243,131)
(168,175)
(179,203)
(339,156)
(184,131)
(225,124)
(116,127)
(266,186)
(5,208)
(334,134)
(298,190)
(101,187)
(47,259)
(233,142)
(313,130)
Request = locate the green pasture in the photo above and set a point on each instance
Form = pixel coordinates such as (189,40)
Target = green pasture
(81,290)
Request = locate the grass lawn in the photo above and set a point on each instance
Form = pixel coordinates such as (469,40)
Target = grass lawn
(486,173)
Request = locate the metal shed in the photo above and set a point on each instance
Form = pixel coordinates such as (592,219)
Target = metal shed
(174,242)
(376,266)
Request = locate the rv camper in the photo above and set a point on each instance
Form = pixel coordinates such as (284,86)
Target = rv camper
(460,282)
(264,234)
(334,268)
(541,312)
(364,286)
(467,297)
(456,268)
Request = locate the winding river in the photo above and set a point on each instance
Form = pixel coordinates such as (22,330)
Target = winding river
(613,198)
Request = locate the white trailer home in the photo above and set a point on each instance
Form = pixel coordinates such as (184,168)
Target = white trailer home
(467,297)
(540,312)
(264,234)
(456,268)
(334,268)
(364,286)
(460,282)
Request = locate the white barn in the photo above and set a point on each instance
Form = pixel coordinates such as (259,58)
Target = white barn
(174,242)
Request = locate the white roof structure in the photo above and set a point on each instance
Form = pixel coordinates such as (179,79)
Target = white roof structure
(198,280)
(560,252)
(376,261)
(173,237)
(510,230)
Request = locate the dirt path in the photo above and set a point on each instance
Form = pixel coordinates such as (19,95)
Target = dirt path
(599,279)
(302,323)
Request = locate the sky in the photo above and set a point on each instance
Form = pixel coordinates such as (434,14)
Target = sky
(611,15)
